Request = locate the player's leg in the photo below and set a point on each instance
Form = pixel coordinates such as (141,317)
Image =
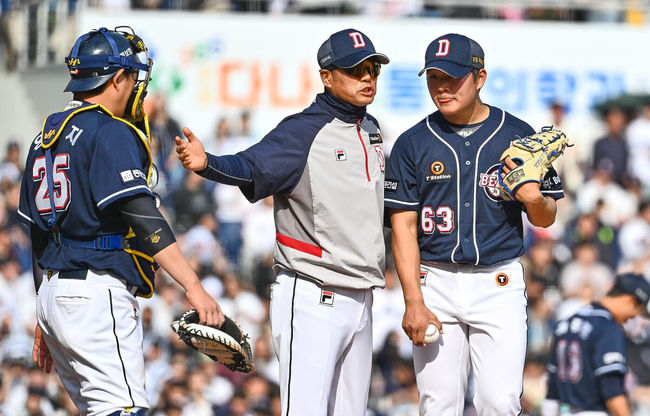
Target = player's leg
(64,369)
(442,368)
(498,340)
(441,371)
(97,326)
(310,331)
(351,382)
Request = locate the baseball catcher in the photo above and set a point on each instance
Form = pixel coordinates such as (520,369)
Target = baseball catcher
(533,155)
(227,345)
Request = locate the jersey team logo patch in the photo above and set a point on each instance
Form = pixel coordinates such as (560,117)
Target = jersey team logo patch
(375,138)
(438,170)
(502,279)
(423,277)
(340,155)
(326,297)
(489,181)
(131,175)
(127,176)
(390,186)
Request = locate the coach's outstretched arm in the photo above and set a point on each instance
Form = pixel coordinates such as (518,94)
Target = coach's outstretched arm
(191,153)
(407,262)
(228,169)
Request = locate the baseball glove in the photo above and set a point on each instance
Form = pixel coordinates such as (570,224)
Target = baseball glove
(533,155)
(227,345)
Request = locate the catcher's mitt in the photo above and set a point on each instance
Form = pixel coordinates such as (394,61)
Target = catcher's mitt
(227,345)
(533,155)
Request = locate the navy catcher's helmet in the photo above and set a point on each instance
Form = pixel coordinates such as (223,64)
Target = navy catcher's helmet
(99,54)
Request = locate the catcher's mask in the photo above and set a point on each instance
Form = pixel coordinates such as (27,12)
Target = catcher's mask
(99,54)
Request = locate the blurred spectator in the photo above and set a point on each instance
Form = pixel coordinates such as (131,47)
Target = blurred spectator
(6,38)
(402,397)
(164,129)
(258,232)
(191,202)
(387,313)
(534,384)
(540,264)
(634,237)
(587,228)
(638,356)
(157,368)
(232,206)
(583,280)
(265,361)
(243,306)
(11,167)
(638,138)
(613,204)
(197,404)
(201,244)
(572,165)
(612,149)
(540,325)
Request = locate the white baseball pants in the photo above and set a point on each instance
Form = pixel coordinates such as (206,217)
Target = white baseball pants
(323,340)
(483,313)
(93,329)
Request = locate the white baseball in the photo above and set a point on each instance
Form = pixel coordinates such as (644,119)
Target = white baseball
(431,335)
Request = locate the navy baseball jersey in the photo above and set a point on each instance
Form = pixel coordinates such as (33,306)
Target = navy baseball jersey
(97,159)
(460,221)
(586,346)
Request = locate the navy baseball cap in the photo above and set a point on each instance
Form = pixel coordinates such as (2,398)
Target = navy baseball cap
(454,55)
(346,49)
(636,285)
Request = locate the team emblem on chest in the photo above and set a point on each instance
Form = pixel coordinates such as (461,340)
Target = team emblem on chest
(489,181)
(437,169)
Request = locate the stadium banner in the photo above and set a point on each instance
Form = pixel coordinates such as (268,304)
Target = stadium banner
(216,65)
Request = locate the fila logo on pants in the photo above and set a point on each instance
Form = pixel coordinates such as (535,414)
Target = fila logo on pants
(326,297)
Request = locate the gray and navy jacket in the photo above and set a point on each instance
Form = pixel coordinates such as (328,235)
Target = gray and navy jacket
(325,169)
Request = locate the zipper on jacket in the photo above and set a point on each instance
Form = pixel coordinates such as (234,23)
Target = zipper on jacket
(365,152)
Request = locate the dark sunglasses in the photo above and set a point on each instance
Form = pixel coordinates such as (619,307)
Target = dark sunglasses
(372,67)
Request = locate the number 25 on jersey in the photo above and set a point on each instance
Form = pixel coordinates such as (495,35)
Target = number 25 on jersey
(61,184)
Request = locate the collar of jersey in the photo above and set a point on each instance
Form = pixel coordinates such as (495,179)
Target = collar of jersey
(55,123)
(340,109)
(443,126)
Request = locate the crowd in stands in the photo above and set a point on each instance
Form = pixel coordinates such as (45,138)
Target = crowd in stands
(603,227)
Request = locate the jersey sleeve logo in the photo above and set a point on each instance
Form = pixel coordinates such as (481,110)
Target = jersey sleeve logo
(390,186)
(127,176)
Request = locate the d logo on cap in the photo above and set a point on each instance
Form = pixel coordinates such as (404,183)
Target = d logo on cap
(357,39)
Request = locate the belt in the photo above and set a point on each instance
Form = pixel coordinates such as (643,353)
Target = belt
(103,243)
(82,274)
